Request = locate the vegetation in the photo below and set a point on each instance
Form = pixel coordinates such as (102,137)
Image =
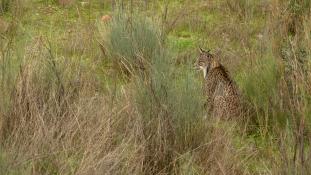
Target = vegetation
(82,95)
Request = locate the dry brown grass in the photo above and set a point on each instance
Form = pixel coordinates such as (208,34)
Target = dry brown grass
(3,26)
(60,122)
(61,127)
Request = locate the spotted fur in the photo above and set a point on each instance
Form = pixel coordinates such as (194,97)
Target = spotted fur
(222,94)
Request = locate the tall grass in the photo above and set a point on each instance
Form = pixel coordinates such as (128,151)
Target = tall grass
(280,95)
(15,7)
(66,108)
(4,6)
(169,102)
(260,87)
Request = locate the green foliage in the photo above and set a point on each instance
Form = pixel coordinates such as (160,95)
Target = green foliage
(299,7)
(10,60)
(186,103)
(4,6)
(131,41)
(14,7)
(172,97)
(259,83)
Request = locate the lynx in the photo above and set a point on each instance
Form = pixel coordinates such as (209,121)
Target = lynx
(221,92)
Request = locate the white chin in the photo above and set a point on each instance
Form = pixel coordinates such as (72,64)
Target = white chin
(204,71)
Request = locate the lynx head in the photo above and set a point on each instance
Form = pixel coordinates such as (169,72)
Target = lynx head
(206,61)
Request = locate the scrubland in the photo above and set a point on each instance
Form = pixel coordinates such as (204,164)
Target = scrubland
(82,95)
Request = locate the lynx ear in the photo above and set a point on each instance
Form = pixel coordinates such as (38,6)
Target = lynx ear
(201,50)
(204,51)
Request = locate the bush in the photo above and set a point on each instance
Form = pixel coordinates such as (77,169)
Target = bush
(168,101)
(131,42)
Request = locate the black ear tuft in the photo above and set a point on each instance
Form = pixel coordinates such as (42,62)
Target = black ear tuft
(201,50)
(204,51)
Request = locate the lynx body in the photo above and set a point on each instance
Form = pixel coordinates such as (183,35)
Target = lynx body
(221,92)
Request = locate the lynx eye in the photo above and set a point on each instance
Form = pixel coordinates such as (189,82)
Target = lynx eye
(201,63)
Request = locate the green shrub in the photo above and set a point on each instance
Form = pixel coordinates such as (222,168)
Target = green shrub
(170,101)
(259,84)
(131,42)
(168,98)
